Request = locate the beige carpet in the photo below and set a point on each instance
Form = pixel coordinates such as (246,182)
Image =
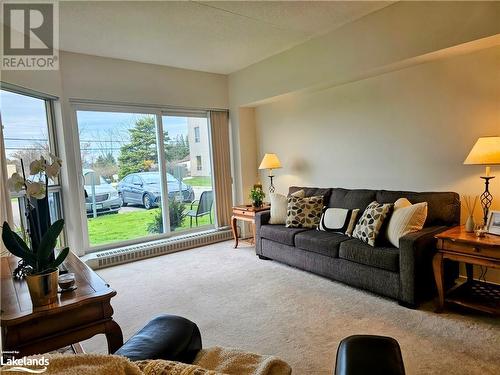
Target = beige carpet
(240,301)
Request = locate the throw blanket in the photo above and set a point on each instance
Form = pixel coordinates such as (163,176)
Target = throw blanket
(213,361)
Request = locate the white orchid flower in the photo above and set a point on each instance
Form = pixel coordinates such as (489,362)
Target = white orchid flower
(35,190)
(15,182)
(56,159)
(37,166)
(53,170)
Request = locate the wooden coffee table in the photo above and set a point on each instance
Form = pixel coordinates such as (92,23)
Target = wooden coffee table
(76,316)
(458,245)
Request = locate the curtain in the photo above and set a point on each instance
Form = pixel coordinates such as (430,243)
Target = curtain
(219,121)
(5,204)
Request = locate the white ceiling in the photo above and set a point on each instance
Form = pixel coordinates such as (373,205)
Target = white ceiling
(212,36)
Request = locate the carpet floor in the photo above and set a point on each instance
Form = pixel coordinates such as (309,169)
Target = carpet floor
(261,306)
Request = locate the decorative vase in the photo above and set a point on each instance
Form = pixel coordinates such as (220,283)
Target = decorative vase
(43,288)
(469,224)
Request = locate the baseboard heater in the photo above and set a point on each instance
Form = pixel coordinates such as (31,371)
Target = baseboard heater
(131,253)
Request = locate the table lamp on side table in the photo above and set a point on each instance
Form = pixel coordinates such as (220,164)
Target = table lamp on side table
(486,151)
(270,161)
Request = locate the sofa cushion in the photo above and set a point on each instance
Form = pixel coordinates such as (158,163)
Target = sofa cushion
(303,212)
(358,251)
(312,192)
(443,208)
(280,233)
(356,198)
(325,243)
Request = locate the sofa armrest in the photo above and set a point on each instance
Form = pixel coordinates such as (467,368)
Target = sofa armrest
(415,263)
(261,218)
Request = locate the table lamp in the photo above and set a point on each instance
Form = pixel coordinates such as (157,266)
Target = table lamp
(270,161)
(486,151)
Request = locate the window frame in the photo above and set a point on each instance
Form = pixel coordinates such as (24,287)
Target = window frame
(158,112)
(56,187)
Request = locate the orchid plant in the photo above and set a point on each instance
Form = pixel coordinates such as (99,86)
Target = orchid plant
(40,172)
(36,187)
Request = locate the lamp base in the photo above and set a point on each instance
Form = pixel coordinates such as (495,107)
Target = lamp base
(486,198)
(271,186)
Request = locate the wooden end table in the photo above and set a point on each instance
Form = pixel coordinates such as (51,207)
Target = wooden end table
(76,316)
(245,213)
(458,245)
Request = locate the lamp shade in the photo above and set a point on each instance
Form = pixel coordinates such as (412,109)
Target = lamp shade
(486,151)
(270,161)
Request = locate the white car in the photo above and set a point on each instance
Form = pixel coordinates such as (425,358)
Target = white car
(106,196)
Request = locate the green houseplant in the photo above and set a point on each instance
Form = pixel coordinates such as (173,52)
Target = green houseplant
(42,271)
(257,196)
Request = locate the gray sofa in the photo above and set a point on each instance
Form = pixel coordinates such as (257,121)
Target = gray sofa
(404,274)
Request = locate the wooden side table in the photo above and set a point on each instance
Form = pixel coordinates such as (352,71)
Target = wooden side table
(76,316)
(245,213)
(457,245)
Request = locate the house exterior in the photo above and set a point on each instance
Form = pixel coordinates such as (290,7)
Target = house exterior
(199,146)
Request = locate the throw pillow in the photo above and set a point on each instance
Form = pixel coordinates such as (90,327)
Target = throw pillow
(338,220)
(368,227)
(279,205)
(304,212)
(405,219)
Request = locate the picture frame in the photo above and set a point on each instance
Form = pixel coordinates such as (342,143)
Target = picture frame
(493,226)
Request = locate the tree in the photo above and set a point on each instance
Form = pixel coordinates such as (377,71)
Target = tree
(106,166)
(141,153)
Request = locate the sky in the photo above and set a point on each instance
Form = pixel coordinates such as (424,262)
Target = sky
(25,123)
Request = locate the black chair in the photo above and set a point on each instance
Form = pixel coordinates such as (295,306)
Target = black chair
(205,204)
(367,354)
(169,337)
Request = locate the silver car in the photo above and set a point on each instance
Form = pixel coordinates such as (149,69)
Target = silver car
(106,197)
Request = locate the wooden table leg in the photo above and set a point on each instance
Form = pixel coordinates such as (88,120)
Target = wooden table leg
(114,336)
(235,231)
(469,270)
(437,265)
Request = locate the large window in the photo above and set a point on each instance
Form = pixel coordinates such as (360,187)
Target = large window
(140,176)
(28,132)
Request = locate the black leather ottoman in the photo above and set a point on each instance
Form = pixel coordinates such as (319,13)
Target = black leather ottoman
(369,355)
(167,337)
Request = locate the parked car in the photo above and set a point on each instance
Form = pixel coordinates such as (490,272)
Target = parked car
(144,188)
(107,199)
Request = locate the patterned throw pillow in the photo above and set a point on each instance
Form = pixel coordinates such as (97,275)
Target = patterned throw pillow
(371,221)
(279,205)
(304,212)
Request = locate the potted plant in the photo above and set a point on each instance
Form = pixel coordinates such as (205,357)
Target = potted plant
(257,196)
(38,263)
(41,271)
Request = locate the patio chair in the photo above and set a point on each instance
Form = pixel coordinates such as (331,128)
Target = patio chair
(204,207)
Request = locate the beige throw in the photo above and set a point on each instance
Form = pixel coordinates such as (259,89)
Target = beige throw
(212,361)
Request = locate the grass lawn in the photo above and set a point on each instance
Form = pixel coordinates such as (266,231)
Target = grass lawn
(198,181)
(129,225)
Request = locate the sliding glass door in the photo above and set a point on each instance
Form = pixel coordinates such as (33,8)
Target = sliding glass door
(145,175)
(189,167)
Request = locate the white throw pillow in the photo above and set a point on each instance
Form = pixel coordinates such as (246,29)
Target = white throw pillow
(279,206)
(338,220)
(405,219)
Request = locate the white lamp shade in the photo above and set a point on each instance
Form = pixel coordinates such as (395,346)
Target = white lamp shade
(486,151)
(270,161)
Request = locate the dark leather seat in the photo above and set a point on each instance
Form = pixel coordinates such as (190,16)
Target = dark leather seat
(167,337)
(369,355)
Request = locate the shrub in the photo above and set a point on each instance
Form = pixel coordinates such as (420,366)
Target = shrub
(177,213)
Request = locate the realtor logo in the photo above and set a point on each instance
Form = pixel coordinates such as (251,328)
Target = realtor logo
(30,35)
